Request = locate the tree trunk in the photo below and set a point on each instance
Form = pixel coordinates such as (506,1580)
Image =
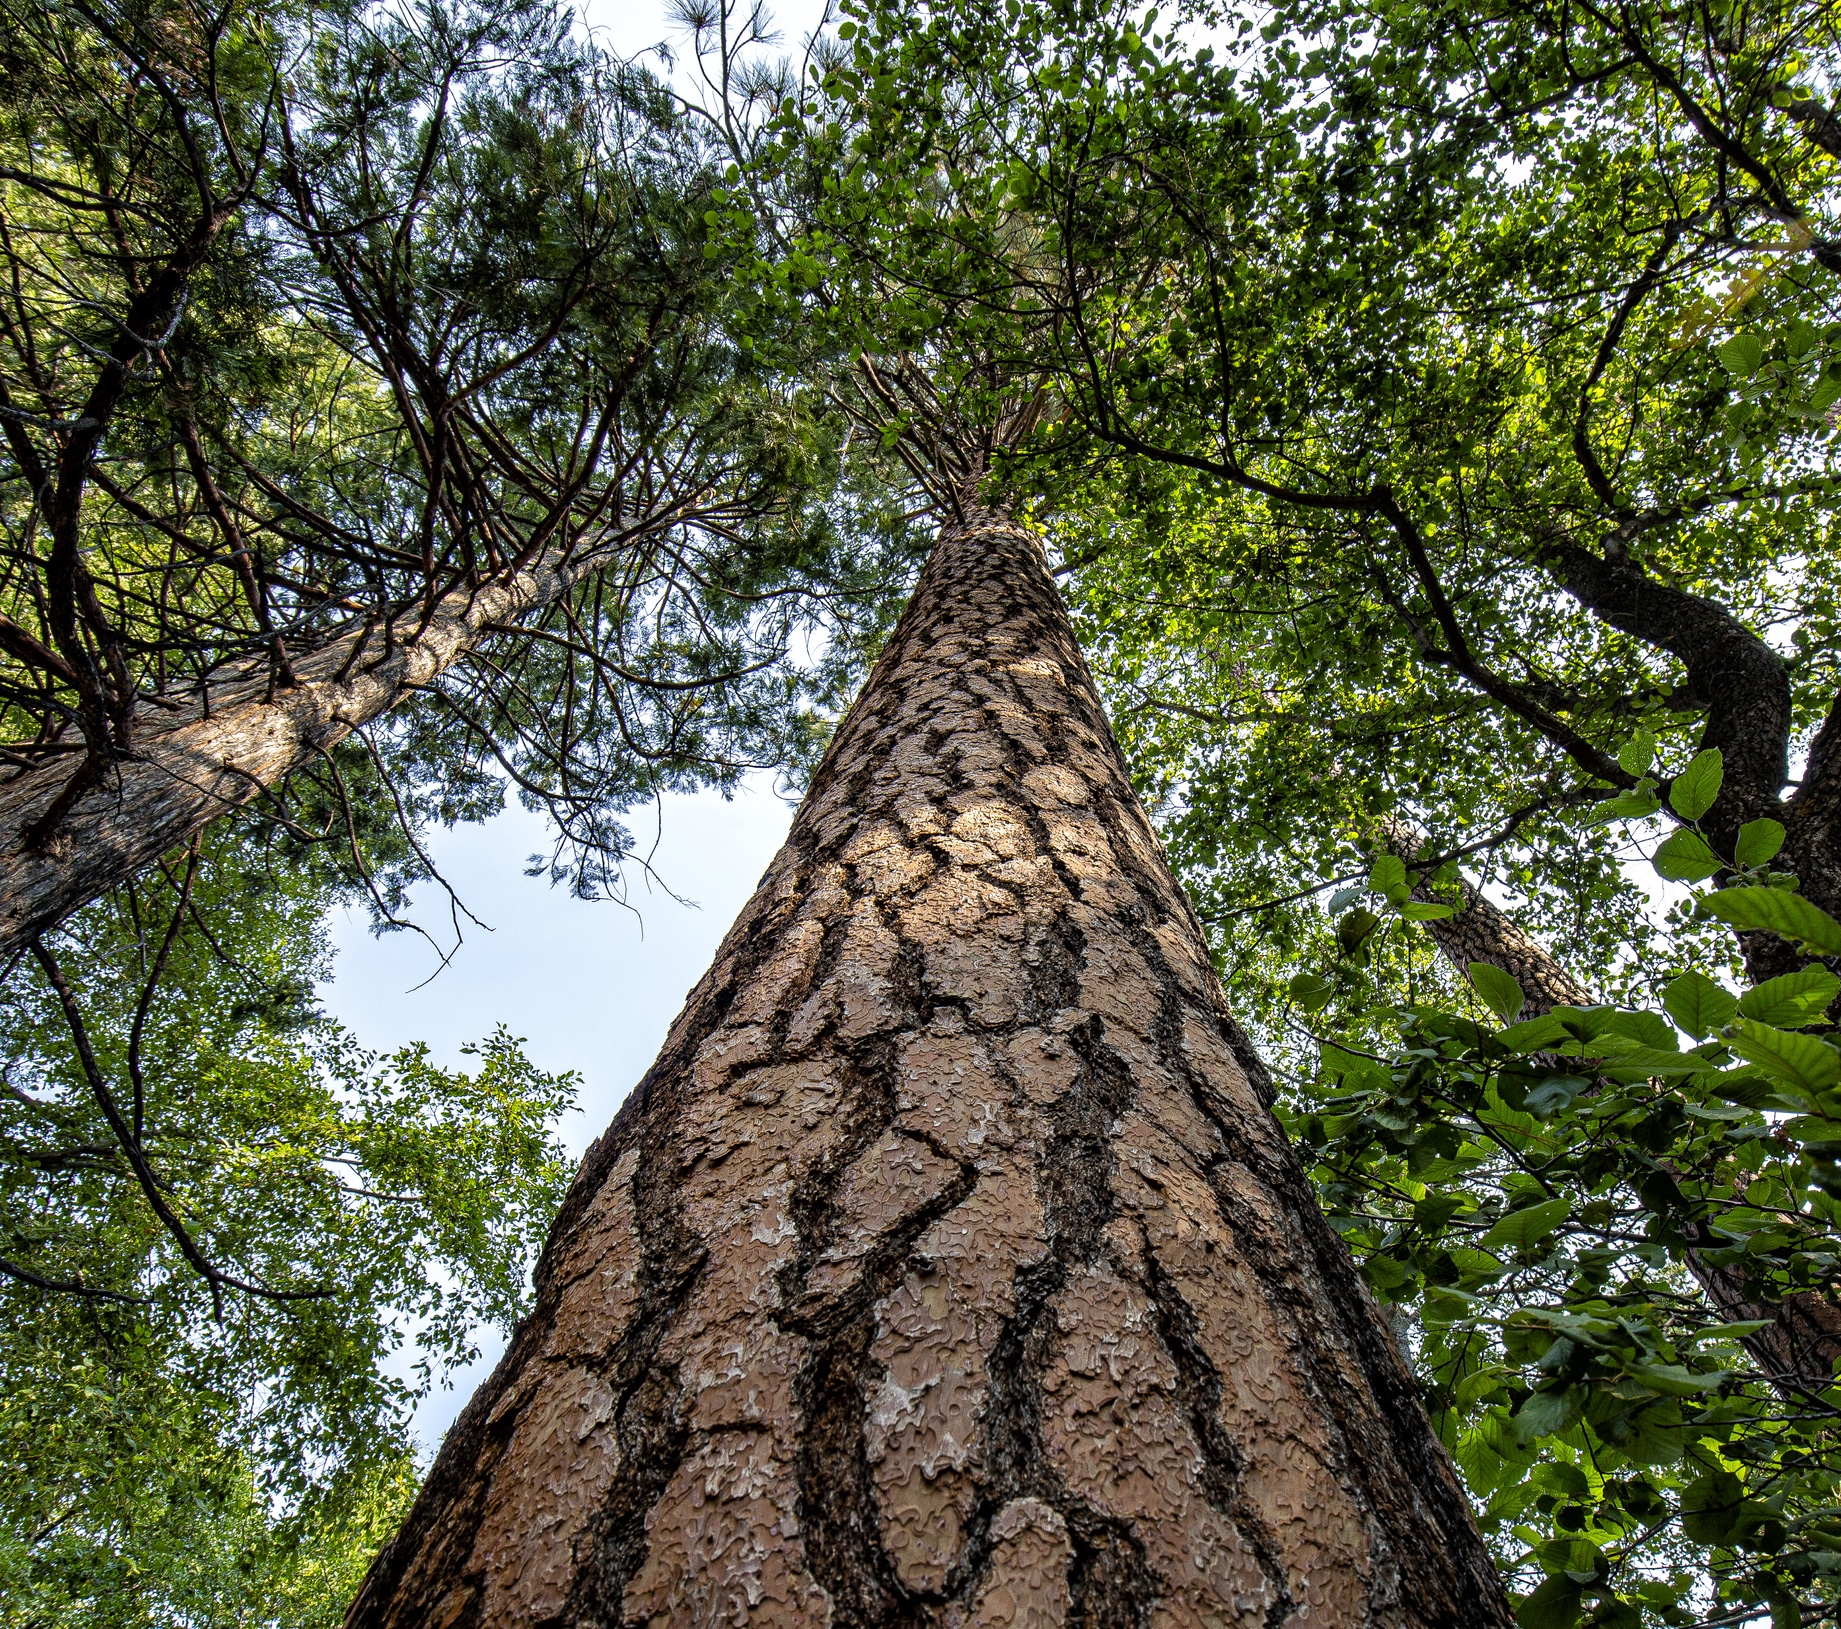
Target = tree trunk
(948,1267)
(248,738)
(1803,1344)
(1481,933)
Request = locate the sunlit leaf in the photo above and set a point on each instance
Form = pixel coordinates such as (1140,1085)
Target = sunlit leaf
(1775,910)
(1698,1005)
(1759,842)
(1684,856)
(1500,992)
(1792,999)
(1523,1228)
(1692,792)
(1798,1060)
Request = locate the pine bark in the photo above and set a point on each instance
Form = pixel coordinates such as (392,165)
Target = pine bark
(948,1267)
(245,737)
(1803,1343)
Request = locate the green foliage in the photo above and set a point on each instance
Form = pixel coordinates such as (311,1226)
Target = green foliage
(206,1408)
(1539,1199)
(1500,992)
(1774,910)
(437,297)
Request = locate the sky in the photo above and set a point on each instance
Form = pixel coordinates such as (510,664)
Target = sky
(589,986)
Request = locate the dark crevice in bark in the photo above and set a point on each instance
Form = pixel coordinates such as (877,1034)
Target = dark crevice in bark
(1111,1584)
(1078,1166)
(1199,1391)
(838,1511)
(648,1421)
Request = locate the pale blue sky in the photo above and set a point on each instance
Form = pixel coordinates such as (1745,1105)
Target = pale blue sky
(590,986)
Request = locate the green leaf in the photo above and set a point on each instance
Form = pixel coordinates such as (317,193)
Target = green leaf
(1645,1028)
(1698,1005)
(1354,929)
(1311,991)
(1798,1060)
(1543,1413)
(1636,755)
(1775,910)
(1695,788)
(1674,1381)
(1500,992)
(1759,841)
(1355,1071)
(1555,1095)
(1529,1225)
(1793,999)
(1388,872)
(1728,1332)
(1684,856)
(1532,1034)
(1746,1087)
(1627,1060)
(1636,804)
(1437,1209)
(1555,1605)
(1710,1507)
(1743,354)
(1425,910)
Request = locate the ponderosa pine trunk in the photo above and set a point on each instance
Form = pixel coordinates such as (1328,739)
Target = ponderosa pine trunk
(1803,1343)
(948,1267)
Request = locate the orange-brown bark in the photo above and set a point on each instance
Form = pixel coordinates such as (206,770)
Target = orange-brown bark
(948,1267)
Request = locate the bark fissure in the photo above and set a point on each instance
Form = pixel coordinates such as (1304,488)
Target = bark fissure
(1110,1582)
(836,1499)
(649,1420)
(948,1269)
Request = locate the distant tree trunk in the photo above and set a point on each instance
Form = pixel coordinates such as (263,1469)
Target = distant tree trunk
(948,1267)
(1481,933)
(1803,1344)
(246,737)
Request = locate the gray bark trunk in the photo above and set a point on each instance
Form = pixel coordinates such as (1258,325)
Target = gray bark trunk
(185,774)
(948,1267)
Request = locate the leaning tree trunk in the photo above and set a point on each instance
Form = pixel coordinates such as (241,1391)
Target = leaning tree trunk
(1803,1343)
(246,737)
(948,1266)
